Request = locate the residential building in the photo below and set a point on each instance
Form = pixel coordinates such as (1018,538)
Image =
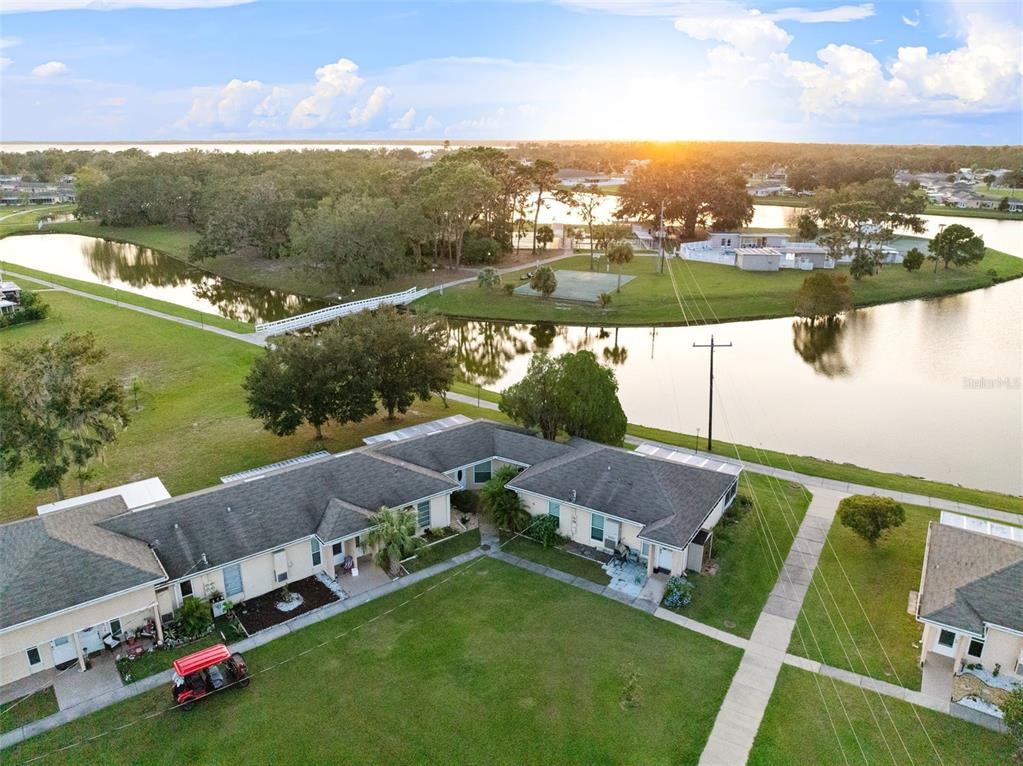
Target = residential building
(971,605)
(91,567)
(769,252)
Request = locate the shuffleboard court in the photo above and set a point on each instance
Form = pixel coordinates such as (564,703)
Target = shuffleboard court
(579,285)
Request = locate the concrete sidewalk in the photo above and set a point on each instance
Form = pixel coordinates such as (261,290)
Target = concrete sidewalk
(740,715)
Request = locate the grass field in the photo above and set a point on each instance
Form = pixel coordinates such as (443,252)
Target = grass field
(193,426)
(845,472)
(496,665)
(555,558)
(27,709)
(732,294)
(834,628)
(749,555)
(796,729)
(444,550)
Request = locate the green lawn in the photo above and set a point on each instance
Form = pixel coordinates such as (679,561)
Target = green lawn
(796,729)
(555,558)
(123,296)
(840,471)
(27,709)
(838,622)
(24,217)
(193,427)
(496,665)
(444,550)
(733,294)
(749,554)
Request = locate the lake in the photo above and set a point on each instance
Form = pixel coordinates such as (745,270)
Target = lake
(142,271)
(927,387)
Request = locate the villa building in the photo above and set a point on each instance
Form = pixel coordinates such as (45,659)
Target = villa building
(769,252)
(971,606)
(86,569)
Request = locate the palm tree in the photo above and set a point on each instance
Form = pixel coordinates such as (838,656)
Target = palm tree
(504,506)
(544,281)
(394,534)
(618,253)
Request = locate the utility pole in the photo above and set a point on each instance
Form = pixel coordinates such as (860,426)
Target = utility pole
(660,240)
(710,394)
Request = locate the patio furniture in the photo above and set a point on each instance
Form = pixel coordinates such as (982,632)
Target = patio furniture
(134,647)
(348,564)
(112,641)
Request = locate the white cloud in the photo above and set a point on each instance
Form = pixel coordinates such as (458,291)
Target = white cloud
(227,107)
(332,81)
(50,69)
(9,42)
(406,121)
(912,22)
(431,123)
(361,115)
(837,15)
(30,6)
(750,33)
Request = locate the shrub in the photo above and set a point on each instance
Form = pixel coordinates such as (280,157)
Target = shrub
(488,278)
(31,309)
(604,300)
(544,530)
(913,260)
(1012,712)
(479,251)
(194,617)
(677,593)
(508,288)
(465,501)
(504,506)
(870,516)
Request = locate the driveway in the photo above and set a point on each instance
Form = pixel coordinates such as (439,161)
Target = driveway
(937,677)
(74,687)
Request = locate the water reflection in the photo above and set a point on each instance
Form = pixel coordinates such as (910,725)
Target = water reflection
(146,272)
(818,345)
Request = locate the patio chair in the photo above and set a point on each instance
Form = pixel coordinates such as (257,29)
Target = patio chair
(348,564)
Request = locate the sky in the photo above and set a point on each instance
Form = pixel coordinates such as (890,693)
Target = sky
(882,72)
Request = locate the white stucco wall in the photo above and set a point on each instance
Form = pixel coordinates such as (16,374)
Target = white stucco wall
(1003,648)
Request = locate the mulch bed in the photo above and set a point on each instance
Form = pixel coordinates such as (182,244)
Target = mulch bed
(260,613)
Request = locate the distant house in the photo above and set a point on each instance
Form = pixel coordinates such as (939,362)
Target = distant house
(1015,205)
(971,605)
(10,297)
(770,252)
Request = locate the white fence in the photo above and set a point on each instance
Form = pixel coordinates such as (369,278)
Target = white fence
(333,312)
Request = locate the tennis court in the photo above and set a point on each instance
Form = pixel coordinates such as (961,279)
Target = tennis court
(579,285)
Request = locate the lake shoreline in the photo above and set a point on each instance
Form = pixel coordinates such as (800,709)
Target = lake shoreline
(993,215)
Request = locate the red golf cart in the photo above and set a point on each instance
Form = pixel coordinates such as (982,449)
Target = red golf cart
(205,672)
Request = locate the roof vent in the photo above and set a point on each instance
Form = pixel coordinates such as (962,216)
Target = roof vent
(176,525)
(573,495)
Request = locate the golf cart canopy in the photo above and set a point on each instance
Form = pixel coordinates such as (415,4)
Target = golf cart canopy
(204,658)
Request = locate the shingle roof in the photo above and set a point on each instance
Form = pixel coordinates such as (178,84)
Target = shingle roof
(470,443)
(231,521)
(971,579)
(670,499)
(63,559)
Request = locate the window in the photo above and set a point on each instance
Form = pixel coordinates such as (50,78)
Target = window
(947,638)
(481,472)
(33,656)
(281,566)
(597,527)
(731,494)
(115,627)
(186,589)
(975,648)
(423,513)
(314,545)
(554,509)
(233,581)
(645,552)
(338,548)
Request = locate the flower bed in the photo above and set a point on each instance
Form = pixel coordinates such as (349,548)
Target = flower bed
(261,613)
(225,630)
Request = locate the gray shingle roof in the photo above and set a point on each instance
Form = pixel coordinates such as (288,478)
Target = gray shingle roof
(231,521)
(670,499)
(470,443)
(971,579)
(63,559)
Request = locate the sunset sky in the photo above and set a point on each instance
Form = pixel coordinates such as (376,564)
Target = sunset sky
(915,72)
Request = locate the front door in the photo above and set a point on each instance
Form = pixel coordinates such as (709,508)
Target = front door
(664,556)
(611,528)
(63,650)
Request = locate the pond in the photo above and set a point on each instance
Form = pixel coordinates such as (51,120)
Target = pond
(924,387)
(146,272)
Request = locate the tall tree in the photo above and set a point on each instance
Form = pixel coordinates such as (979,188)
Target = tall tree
(572,393)
(823,296)
(411,356)
(587,200)
(693,194)
(394,536)
(544,235)
(956,244)
(619,254)
(312,379)
(544,281)
(53,412)
(454,194)
(543,175)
